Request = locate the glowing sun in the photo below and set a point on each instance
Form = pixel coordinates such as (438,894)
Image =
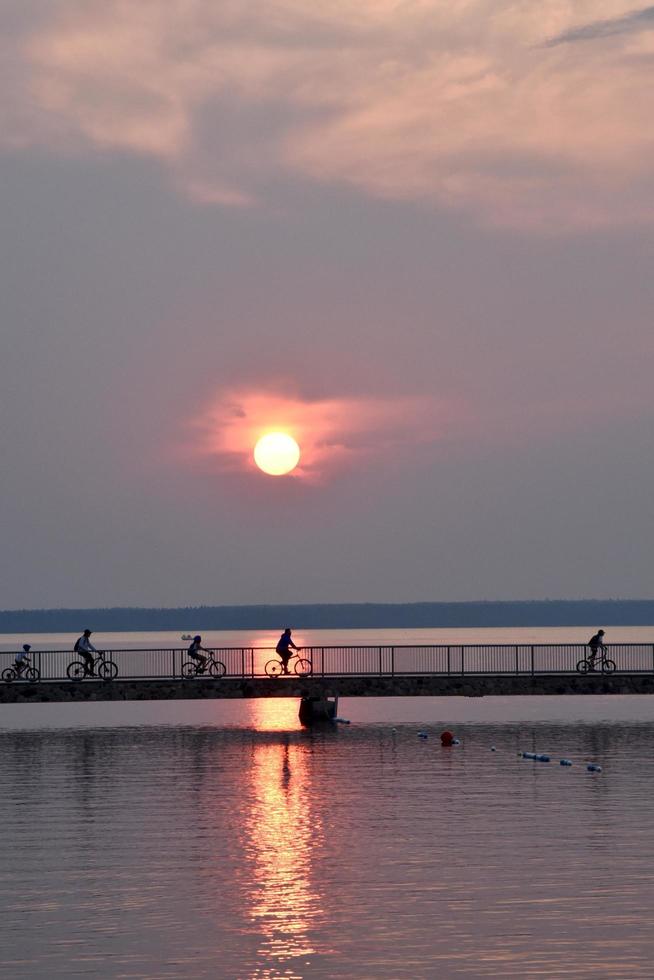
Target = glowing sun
(277,453)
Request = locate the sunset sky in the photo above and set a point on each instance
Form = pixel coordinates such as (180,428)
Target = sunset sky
(416,236)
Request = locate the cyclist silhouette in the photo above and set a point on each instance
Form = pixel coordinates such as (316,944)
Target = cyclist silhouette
(194,653)
(283,648)
(596,643)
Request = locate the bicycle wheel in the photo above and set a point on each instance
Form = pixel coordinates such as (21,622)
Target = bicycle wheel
(217,668)
(107,670)
(583,666)
(303,667)
(33,674)
(75,671)
(274,668)
(8,675)
(608,666)
(189,669)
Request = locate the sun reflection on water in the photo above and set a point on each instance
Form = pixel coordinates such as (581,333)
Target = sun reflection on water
(283,831)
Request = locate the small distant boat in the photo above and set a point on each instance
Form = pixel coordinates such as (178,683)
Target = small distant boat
(186,636)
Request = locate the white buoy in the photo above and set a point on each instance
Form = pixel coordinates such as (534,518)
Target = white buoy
(593,767)
(528,755)
(565,762)
(423,735)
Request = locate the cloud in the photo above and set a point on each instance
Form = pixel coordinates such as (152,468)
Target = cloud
(637,20)
(333,433)
(477,106)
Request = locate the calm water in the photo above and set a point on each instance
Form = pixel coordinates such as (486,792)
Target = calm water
(180,839)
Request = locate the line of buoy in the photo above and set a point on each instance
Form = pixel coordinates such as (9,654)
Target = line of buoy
(541,757)
(447,739)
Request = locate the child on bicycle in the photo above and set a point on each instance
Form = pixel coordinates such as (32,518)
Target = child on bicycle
(283,649)
(22,660)
(194,653)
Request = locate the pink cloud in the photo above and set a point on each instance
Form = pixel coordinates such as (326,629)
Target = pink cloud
(468,106)
(332,433)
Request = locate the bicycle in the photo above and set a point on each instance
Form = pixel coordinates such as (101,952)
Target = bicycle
(16,673)
(587,665)
(301,667)
(105,669)
(212,667)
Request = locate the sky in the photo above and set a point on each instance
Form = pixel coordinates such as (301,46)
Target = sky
(416,236)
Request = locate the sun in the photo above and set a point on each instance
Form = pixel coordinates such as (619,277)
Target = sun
(277,453)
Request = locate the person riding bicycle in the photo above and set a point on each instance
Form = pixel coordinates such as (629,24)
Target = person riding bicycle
(193,652)
(22,659)
(85,649)
(283,648)
(596,644)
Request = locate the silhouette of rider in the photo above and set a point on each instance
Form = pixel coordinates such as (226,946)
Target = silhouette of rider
(194,653)
(283,648)
(596,643)
(85,649)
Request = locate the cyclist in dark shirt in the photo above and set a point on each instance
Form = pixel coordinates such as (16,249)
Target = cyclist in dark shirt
(194,653)
(596,643)
(283,648)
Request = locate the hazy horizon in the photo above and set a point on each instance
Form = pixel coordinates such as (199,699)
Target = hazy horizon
(417,238)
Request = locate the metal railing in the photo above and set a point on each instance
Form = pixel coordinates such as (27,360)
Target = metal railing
(362,661)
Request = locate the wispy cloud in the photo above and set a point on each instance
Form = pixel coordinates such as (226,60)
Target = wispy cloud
(637,20)
(482,107)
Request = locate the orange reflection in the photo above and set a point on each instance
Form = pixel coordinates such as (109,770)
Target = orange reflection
(274,714)
(284,831)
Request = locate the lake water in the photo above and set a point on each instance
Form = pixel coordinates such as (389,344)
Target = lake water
(219,839)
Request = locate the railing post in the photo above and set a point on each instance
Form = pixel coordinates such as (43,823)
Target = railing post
(243,662)
(449,668)
(380,662)
(392,661)
(517,660)
(463,658)
(532,660)
(172,659)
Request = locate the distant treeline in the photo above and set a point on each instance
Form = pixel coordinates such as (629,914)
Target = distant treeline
(369,615)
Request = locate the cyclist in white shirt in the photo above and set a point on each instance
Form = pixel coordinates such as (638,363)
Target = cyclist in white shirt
(85,649)
(22,660)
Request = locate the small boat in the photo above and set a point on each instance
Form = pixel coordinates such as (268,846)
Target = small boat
(186,636)
(315,710)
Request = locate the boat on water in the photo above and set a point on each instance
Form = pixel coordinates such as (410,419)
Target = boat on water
(316,710)
(187,636)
